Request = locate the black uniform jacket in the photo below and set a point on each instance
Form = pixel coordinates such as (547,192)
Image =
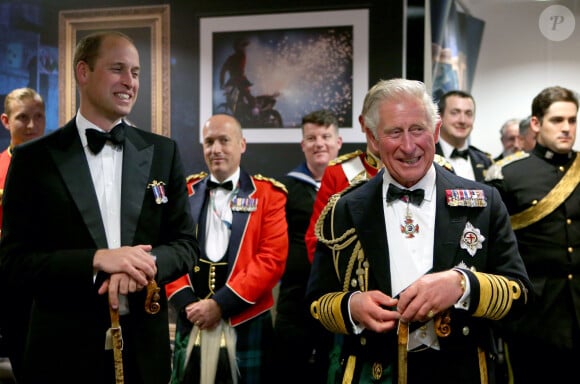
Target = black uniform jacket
(361,209)
(550,247)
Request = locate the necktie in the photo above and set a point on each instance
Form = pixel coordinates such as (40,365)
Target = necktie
(415,196)
(458,153)
(97,139)
(227,185)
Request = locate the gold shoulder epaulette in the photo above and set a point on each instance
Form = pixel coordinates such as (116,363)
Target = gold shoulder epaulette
(494,172)
(196,177)
(513,157)
(442,161)
(345,157)
(274,182)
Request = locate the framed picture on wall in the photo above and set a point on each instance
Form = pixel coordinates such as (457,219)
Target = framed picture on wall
(270,70)
(148,27)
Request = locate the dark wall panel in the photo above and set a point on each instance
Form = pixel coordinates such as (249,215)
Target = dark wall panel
(385,61)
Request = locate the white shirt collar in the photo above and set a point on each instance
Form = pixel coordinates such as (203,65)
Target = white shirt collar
(83,124)
(448,148)
(427,183)
(235,177)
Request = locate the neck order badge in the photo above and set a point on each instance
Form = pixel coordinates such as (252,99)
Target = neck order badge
(408,228)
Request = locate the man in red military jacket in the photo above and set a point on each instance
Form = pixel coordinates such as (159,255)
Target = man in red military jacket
(25,119)
(225,300)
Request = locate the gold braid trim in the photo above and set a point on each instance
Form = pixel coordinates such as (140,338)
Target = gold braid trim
(496,294)
(346,157)
(196,176)
(274,182)
(349,370)
(336,244)
(327,310)
(362,269)
(333,243)
(551,201)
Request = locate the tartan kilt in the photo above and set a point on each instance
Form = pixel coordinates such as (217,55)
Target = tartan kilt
(253,350)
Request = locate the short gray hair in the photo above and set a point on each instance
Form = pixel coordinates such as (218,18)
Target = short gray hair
(392,90)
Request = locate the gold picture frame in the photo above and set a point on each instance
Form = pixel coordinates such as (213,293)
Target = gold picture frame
(153,25)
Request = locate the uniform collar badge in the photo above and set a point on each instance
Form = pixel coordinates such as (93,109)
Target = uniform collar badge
(472,239)
(158,188)
(465,198)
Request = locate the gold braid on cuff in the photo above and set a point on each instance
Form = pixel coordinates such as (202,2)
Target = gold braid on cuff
(496,295)
(328,311)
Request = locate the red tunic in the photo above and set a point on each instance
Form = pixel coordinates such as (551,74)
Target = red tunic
(260,258)
(5,158)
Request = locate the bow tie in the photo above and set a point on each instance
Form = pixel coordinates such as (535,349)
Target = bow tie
(97,139)
(457,153)
(415,196)
(227,185)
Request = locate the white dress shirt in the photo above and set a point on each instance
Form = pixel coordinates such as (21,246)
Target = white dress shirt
(461,166)
(106,169)
(219,218)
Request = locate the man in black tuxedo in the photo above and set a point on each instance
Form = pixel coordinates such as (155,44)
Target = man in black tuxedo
(88,224)
(414,245)
(457,110)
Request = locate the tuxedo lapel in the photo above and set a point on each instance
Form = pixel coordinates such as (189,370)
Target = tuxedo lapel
(71,161)
(137,160)
(366,209)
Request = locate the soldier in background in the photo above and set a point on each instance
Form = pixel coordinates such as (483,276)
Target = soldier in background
(457,111)
(24,117)
(527,135)
(510,138)
(301,352)
(224,323)
(540,190)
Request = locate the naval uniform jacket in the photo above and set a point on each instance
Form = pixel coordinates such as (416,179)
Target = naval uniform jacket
(52,229)
(339,174)
(550,247)
(255,257)
(302,190)
(480,160)
(361,208)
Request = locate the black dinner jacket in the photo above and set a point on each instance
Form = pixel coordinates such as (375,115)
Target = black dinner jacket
(52,227)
